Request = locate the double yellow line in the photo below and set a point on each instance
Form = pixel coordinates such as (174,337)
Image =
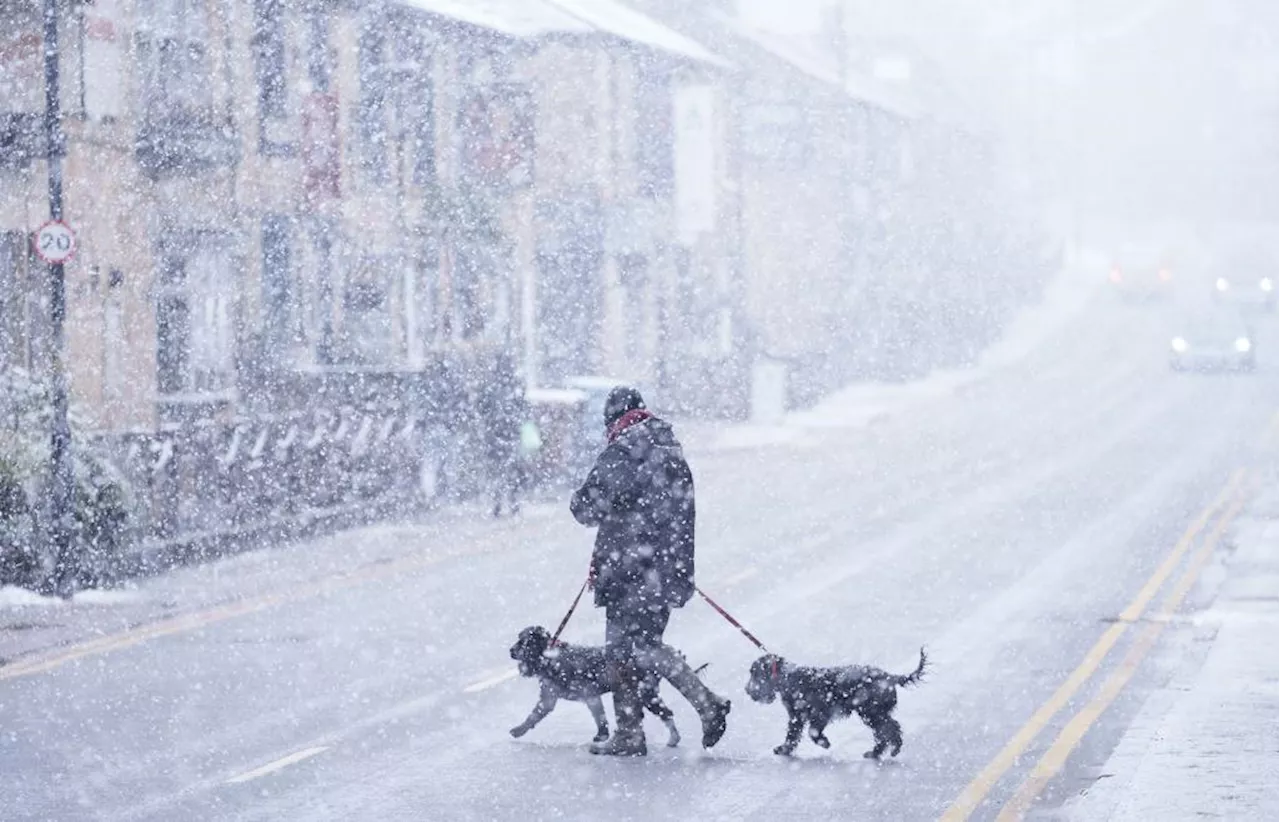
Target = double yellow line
(1229,502)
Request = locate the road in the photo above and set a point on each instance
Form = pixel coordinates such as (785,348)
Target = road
(1007,528)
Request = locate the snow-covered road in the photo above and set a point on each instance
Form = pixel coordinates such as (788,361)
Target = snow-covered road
(1014,526)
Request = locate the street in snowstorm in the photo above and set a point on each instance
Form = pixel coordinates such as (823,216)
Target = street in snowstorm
(1004,526)
(375,376)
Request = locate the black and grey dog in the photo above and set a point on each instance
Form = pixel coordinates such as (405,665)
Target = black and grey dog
(578,673)
(815,696)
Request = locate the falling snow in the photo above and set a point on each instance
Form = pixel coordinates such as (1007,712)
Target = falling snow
(957,318)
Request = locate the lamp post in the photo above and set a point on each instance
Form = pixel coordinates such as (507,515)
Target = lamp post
(59,489)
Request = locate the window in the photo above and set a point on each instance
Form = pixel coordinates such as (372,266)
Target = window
(195,338)
(271,69)
(173,330)
(655,130)
(173,54)
(372,114)
(468,275)
(421,112)
(319,55)
(269,58)
(277,286)
(21,57)
(321,147)
(497,127)
(212,333)
(105,46)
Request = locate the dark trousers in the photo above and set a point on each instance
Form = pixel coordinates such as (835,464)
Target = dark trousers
(633,645)
(504,481)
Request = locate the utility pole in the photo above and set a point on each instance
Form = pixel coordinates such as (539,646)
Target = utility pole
(59,489)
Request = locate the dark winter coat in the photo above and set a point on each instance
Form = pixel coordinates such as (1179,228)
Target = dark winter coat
(502,410)
(640,496)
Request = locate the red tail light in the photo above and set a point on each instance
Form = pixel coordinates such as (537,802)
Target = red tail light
(1115,275)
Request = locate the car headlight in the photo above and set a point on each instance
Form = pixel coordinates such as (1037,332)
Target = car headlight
(1222,284)
(1243,345)
(1179,344)
(1266,285)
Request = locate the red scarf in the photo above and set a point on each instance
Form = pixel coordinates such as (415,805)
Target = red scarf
(627,420)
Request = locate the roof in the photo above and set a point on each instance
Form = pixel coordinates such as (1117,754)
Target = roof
(514,18)
(540,18)
(622,21)
(823,67)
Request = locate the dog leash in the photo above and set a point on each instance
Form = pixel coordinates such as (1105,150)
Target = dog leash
(555,638)
(735,623)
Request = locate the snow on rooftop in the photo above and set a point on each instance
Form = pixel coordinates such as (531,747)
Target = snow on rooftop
(823,67)
(537,18)
(629,24)
(514,18)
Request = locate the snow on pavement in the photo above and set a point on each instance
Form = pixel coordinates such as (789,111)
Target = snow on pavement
(1207,746)
(860,404)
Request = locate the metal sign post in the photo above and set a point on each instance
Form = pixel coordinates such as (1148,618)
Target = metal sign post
(60,246)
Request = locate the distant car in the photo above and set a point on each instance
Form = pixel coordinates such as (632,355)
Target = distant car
(1140,273)
(1247,280)
(1213,341)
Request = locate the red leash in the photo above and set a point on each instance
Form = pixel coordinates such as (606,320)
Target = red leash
(735,623)
(555,638)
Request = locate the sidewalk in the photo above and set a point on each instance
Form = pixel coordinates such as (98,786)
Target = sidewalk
(31,623)
(861,404)
(1207,746)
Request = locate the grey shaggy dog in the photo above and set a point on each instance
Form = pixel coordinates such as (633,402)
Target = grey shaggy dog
(816,696)
(579,673)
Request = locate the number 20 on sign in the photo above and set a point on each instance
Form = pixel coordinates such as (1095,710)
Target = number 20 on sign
(55,242)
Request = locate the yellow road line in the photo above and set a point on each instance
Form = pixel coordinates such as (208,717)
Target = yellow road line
(976,791)
(1055,758)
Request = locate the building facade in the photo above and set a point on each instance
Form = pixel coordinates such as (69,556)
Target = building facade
(263,189)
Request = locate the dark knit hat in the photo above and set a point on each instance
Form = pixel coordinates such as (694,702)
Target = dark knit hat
(622,399)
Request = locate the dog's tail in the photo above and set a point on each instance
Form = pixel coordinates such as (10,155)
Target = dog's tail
(915,676)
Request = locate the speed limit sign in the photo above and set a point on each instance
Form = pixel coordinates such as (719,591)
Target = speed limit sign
(55,242)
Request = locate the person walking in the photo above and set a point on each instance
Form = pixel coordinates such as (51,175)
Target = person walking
(640,498)
(502,409)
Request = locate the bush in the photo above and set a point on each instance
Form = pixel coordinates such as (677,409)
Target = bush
(102,498)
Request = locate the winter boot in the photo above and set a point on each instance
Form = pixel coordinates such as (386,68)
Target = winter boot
(628,737)
(622,743)
(712,710)
(714,722)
